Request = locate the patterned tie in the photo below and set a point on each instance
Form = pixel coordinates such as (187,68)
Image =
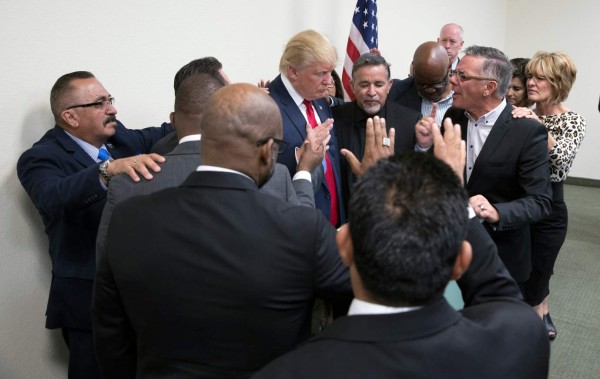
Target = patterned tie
(329,176)
(103,154)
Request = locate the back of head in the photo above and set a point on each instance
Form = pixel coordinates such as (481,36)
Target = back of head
(495,65)
(206,65)
(61,90)
(190,99)
(307,48)
(558,68)
(430,59)
(408,218)
(370,59)
(234,119)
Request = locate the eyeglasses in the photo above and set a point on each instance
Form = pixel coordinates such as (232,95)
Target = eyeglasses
(101,104)
(464,77)
(437,86)
(281,144)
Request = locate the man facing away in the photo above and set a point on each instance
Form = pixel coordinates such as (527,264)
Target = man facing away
(66,175)
(404,241)
(222,278)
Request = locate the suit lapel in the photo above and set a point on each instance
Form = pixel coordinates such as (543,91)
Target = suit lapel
(492,142)
(72,147)
(289,108)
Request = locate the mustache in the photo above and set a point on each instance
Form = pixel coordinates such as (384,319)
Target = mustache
(110,119)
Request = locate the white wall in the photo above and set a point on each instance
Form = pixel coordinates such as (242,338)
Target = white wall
(135,47)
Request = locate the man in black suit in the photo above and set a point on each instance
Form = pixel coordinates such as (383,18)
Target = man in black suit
(405,239)
(428,86)
(219,278)
(507,158)
(370,83)
(305,75)
(66,175)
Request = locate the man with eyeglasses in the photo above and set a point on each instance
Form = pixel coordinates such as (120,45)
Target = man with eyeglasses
(243,268)
(507,159)
(370,83)
(66,174)
(428,86)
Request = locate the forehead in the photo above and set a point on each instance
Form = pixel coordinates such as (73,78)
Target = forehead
(450,32)
(89,88)
(373,72)
(470,63)
(320,67)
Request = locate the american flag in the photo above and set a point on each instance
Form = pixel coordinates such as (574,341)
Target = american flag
(362,38)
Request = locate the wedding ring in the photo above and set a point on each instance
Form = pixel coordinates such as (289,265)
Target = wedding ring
(135,162)
(386,142)
(530,112)
(481,207)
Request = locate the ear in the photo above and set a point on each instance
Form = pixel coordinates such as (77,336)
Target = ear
(292,73)
(265,153)
(70,118)
(389,86)
(172,118)
(463,260)
(344,243)
(490,87)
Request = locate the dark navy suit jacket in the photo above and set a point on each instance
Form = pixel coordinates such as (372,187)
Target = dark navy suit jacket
(294,132)
(63,183)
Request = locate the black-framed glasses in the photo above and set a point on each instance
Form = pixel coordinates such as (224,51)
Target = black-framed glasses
(281,144)
(437,86)
(100,104)
(464,77)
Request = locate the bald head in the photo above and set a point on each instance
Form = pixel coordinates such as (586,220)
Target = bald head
(430,66)
(235,118)
(451,38)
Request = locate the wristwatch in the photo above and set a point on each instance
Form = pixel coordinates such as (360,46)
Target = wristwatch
(104,170)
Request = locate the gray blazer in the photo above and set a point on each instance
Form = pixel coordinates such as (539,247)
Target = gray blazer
(180,163)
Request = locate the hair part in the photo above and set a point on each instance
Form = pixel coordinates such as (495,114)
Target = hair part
(59,94)
(495,65)
(558,69)
(408,218)
(370,59)
(307,48)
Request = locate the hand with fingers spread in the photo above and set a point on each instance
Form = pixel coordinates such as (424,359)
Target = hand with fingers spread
(378,145)
(483,209)
(450,148)
(137,164)
(423,129)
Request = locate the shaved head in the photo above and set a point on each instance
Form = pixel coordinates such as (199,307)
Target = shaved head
(235,118)
(430,66)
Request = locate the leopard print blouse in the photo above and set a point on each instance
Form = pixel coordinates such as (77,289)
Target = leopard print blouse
(568,129)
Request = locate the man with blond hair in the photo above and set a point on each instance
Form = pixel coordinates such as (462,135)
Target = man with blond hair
(305,73)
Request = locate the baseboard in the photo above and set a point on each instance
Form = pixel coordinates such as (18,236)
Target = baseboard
(582,182)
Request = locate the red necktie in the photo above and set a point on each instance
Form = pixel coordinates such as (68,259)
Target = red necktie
(329,177)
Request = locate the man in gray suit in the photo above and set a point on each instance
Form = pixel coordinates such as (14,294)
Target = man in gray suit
(190,99)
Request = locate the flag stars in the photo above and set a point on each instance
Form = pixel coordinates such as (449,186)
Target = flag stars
(366,12)
(372,26)
(365,25)
(357,10)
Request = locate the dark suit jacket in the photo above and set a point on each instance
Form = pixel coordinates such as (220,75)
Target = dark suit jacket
(495,336)
(405,93)
(166,145)
(63,183)
(350,122)
(217,280)
(294,132)
(179,164)
(512,172)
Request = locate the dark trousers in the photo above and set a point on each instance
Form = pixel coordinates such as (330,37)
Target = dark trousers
(82,356)
(547,237)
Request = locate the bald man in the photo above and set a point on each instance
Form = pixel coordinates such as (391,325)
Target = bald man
(429,84)
(224,276)
(451,38)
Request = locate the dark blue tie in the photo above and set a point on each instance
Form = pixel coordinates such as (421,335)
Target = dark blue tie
(103,154)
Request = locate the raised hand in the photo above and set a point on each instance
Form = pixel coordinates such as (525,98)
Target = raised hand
(378,144)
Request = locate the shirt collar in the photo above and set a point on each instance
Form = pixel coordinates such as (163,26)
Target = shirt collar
(90,149)
(203,167)
(190,138)
(360,307)
(291,90)
(490,117)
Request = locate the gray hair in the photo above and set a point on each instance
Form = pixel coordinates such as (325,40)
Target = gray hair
(370,59)
(496,65)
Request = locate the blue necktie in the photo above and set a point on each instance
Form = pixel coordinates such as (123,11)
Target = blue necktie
(103,154)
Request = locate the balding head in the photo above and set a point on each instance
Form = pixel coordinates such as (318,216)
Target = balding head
(430,68)
(451,38)
(235,119)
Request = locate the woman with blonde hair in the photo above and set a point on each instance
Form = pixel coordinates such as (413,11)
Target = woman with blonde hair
(550,77)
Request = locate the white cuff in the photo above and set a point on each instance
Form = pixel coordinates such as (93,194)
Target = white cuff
(302,175)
